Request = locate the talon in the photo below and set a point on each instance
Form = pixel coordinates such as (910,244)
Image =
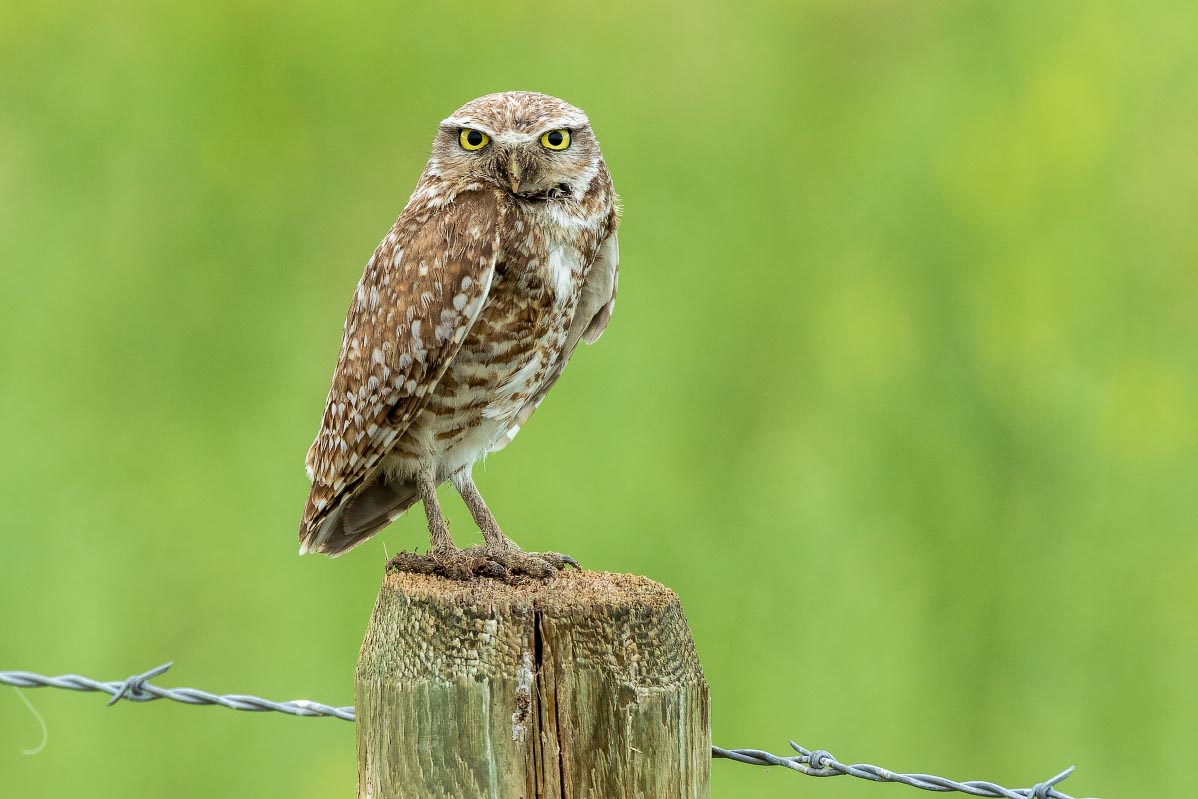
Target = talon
(492,569)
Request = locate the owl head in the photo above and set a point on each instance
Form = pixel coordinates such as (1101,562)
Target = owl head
(535,146)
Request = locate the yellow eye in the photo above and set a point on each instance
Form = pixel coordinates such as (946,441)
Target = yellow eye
(473,139)
(556,140)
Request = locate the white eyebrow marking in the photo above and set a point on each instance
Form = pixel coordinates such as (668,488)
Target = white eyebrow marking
(512,137)
(455,122)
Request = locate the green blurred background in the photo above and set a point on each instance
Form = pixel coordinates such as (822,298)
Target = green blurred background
(900,395)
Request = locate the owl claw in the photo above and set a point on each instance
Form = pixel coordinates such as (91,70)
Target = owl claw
(496,571)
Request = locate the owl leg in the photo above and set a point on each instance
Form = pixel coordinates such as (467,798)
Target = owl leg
(499,547)
(440,541)
(499,557)
(463,481)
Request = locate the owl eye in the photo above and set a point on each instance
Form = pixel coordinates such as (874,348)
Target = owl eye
(556,139)
(473,139)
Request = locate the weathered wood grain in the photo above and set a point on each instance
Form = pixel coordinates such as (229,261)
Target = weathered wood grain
(585,687)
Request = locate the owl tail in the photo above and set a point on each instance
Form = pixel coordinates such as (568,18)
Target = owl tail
(358,518)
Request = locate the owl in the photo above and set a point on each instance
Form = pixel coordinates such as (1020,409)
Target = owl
(502,261)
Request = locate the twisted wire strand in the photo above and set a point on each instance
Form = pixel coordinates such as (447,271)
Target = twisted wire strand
(820,763)
(812,762)
(138,688)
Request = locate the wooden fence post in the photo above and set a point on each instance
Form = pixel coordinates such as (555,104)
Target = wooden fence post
(584,687)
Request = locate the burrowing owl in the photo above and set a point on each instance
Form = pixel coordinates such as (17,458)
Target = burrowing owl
(504,258)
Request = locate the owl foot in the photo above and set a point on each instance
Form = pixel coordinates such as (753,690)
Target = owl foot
(507,565)
(517,562)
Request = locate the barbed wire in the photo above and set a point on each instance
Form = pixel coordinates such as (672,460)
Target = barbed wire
(812,762)
(138,688)
(821,763)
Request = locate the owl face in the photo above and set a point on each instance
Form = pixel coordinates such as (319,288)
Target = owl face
(535,146)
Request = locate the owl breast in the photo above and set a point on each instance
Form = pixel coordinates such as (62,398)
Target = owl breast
(510,353)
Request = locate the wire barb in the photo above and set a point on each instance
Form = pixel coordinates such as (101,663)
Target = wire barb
(134,688)
(812,762)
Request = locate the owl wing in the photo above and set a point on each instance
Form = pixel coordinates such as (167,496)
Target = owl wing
(420,294)
(598,299)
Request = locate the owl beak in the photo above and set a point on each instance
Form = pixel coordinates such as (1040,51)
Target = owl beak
(515,174)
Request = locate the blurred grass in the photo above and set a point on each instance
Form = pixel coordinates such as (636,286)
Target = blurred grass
(900,396)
